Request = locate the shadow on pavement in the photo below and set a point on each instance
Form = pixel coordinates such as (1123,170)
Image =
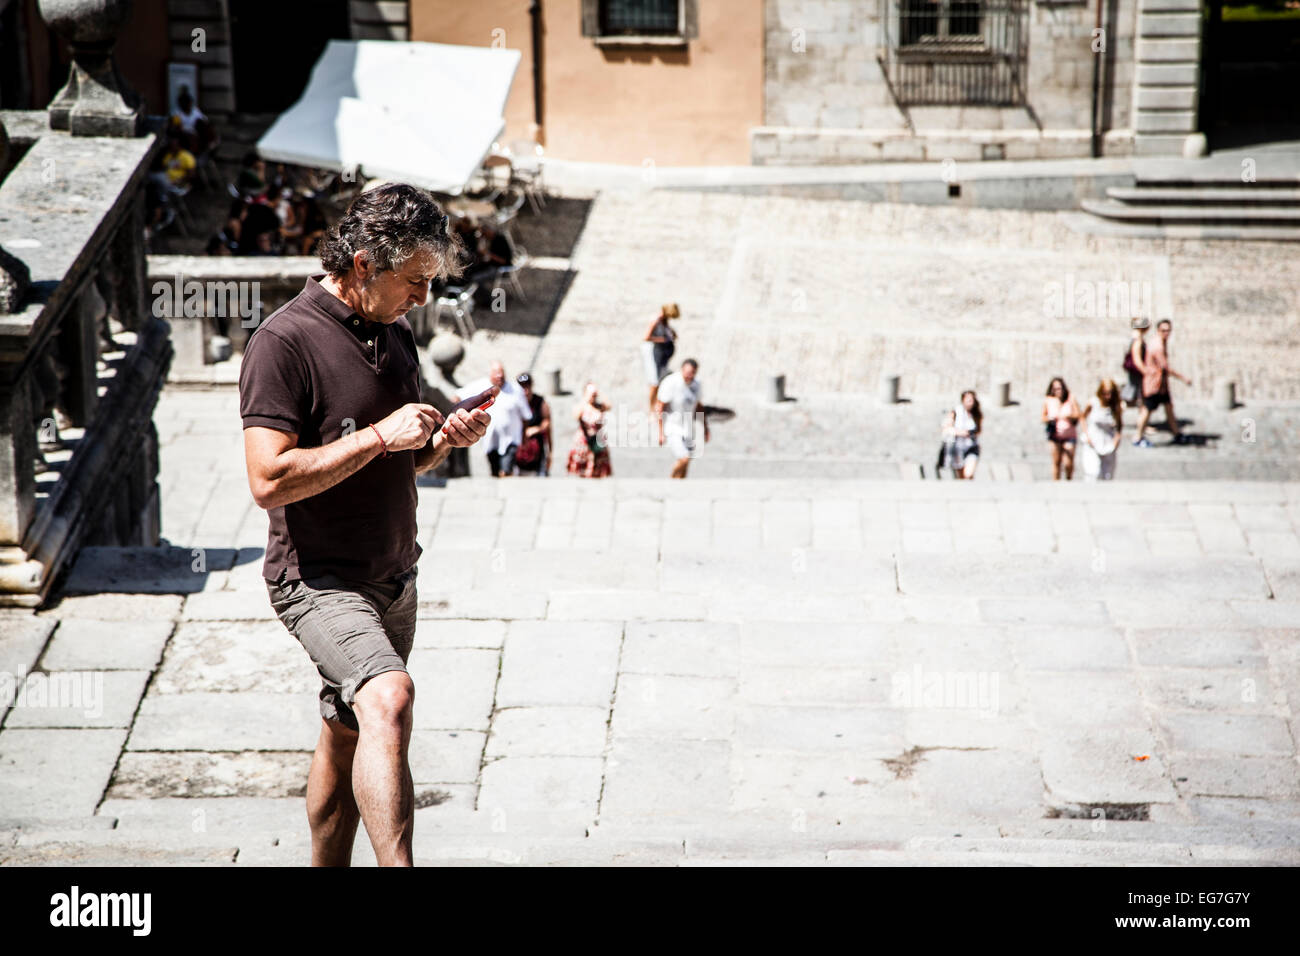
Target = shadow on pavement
(162,570)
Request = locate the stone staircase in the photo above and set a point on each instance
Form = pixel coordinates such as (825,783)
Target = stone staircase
(1199,208)
(640,671)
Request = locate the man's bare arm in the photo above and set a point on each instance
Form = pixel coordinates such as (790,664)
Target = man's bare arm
(433,454)
(280,473)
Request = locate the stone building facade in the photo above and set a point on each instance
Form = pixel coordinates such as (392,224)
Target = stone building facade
(862,80)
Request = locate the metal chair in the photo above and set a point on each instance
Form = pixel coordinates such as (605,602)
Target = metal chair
(526,170)
(507,211)
(518,260)
(459,303)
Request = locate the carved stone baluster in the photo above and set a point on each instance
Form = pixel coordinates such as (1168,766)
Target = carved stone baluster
(79,349)
(128,271)
(17,453)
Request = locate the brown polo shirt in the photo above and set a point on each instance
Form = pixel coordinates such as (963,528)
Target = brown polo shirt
(318,370)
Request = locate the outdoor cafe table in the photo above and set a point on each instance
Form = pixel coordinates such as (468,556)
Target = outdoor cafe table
(473,209)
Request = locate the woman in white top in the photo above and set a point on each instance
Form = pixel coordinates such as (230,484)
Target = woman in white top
(967,419)
(658,347)
(1102,427)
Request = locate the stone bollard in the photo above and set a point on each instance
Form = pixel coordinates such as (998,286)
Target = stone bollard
(219,349)
(1196,146)
(776,389)
(556,389)
(1225,394)
(889,389)
(1004,394)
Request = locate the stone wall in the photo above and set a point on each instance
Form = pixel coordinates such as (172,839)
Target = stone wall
(827,99)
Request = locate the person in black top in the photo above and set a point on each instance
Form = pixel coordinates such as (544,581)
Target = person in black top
(534,455)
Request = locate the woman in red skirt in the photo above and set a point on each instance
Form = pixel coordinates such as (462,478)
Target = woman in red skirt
(589,455)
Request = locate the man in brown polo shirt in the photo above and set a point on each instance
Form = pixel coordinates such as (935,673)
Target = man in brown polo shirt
(334,435)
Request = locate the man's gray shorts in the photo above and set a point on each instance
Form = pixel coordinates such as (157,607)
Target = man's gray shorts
(353,630)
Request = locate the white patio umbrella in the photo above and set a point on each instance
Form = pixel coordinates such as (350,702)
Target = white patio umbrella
(422,113)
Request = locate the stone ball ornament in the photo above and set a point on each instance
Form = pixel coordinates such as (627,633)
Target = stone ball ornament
(14,274)
(86,21)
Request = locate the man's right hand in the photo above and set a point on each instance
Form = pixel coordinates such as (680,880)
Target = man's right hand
(409,427)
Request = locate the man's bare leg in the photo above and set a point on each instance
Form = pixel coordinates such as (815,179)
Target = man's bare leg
(331,808)
(679,468)
(1143,417)
(1171,419)
(381,776)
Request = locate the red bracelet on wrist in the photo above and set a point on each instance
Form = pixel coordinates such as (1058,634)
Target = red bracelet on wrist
(382,444)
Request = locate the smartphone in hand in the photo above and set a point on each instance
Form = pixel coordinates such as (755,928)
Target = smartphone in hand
(483,399)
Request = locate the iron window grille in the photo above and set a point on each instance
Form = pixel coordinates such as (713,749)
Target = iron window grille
(955,52)
(640,17)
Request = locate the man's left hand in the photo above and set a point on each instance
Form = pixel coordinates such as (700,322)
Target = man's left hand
(464,428)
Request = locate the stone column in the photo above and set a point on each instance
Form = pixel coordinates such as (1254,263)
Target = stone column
(95,101)
(1166,88)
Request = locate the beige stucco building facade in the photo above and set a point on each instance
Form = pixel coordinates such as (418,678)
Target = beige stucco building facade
(612,100)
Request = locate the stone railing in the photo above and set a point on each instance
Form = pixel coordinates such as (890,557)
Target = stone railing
(82,358)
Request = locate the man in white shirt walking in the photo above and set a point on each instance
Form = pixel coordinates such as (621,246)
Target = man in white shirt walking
(509,412)
(676,404)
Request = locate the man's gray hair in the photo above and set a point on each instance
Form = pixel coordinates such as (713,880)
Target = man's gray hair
(391,224)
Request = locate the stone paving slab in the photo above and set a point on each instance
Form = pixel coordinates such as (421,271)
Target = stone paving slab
(1105,766)
(1244,735)
(56,772)
(445,633)
(446,756)
(143,776)
(649,774)
(22,638)
(454,687)
(81,644)
(78,699)
(537,783)
(232,816)
(538,731)
(226,722)
(210,656)
(559,663)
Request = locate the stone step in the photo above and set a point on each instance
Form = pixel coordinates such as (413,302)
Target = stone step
(1239,194)
(875,844)
(1211,215)
(1094,225)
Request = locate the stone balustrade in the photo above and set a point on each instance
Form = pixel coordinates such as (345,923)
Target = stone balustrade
(82,358)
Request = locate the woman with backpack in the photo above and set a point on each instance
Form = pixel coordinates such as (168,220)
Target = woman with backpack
(1134,362)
